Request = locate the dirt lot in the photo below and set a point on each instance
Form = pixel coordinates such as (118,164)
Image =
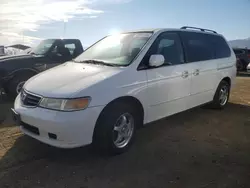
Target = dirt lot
(199,148)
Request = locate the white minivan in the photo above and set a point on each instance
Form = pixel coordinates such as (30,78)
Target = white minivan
(122,82)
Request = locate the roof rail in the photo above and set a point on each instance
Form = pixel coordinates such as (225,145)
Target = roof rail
(204,30)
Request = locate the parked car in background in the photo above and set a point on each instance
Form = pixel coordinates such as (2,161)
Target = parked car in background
(122,82)
(16,70)
(243,58)
(2,52)
(26,51)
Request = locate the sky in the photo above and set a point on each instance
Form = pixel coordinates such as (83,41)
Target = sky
(29,21)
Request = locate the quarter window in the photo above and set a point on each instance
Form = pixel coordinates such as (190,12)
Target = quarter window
(221,47)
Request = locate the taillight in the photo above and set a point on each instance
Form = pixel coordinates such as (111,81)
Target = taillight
(248,55)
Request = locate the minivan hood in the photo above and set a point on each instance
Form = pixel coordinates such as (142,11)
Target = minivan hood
(67,79)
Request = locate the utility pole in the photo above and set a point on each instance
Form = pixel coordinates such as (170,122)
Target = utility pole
(64,26)
(23,36)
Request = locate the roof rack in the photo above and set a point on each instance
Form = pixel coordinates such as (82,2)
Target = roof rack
(204,30)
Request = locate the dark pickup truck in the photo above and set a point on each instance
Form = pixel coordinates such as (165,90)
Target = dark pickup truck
(16,70)
(243,58)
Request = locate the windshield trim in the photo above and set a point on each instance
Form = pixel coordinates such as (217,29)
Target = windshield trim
(151,32)
(131,61)
(98,62)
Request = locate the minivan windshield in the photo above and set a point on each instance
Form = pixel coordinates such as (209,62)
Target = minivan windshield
(115,50)
(43,47)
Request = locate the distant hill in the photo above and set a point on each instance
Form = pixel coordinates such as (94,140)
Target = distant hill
(241,43)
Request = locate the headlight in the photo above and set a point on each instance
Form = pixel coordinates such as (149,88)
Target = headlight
(65,104)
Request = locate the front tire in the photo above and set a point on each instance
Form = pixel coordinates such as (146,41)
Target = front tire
(16,84)
(116,128)
(221,96)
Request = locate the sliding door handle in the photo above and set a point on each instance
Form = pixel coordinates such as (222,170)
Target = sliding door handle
(196,72)
(184,74)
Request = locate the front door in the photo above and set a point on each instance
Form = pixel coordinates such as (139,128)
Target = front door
(168,85)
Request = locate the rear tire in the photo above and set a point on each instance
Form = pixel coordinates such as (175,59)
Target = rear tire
(108,133)
(221,96)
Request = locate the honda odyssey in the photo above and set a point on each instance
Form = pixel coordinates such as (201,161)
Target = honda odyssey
(125,81)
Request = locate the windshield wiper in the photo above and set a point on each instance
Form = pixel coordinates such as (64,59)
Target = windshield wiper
(97,62)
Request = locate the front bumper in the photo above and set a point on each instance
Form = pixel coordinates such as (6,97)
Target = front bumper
(72,129)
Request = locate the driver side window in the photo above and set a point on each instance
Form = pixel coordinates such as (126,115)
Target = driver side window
(169,45)
(59,52)
(54,51)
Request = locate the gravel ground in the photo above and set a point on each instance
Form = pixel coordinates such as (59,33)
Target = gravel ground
(199,148)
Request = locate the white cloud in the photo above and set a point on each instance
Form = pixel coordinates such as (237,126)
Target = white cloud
(7,38)
(17,16)
(29,14)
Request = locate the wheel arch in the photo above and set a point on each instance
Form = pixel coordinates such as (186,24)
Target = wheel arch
(127,99)
(227,79)
(26,71)
(22,71)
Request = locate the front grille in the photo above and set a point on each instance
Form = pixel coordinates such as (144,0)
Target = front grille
(30,128)
(29,99)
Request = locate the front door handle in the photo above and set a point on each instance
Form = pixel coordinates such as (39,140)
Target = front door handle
(196,72)
(39,64)
(184,74)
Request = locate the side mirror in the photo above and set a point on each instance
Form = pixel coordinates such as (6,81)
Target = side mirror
(156,60)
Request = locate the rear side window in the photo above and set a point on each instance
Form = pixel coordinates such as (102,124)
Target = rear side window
(71,48)
(198,46)
(221,47)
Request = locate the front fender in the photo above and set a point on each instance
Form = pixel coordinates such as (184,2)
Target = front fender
(3,76)
(7,77)
(21,71)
